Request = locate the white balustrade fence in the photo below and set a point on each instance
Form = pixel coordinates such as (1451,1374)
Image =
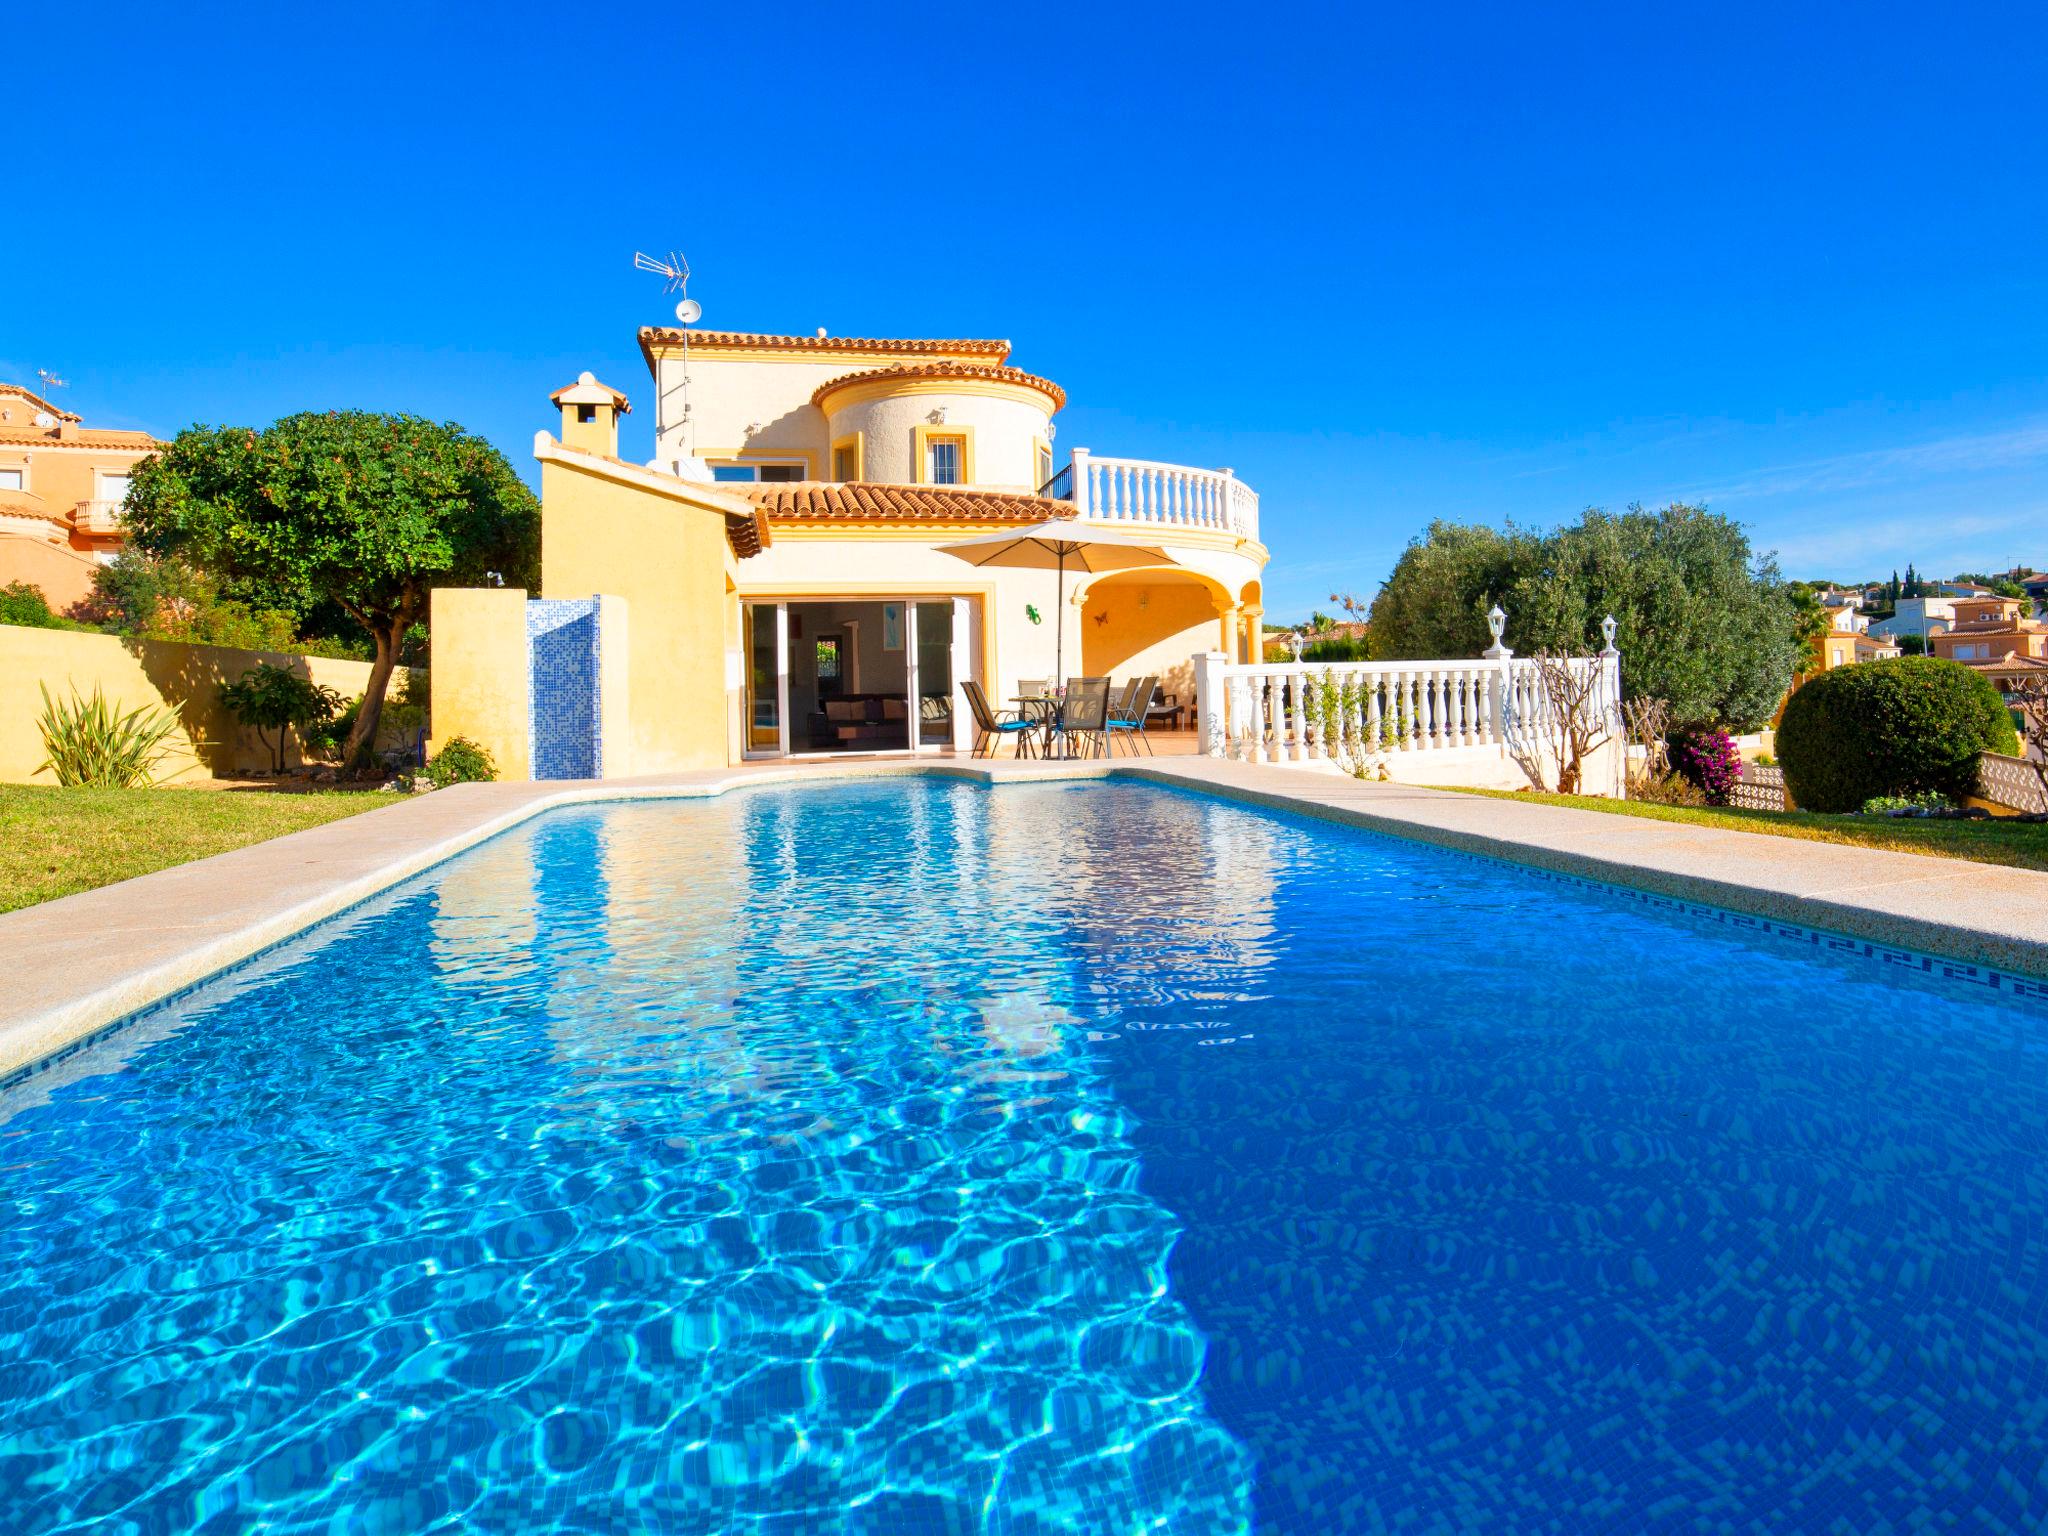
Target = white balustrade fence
(1159,495)
(1349,711)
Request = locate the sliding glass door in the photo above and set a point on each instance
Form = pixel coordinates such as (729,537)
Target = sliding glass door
(854,676)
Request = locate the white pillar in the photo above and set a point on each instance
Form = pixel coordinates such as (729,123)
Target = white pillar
(1209,667)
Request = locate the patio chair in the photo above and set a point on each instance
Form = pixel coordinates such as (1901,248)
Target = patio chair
(1164,706)
(1081,728)
(1131,713)
(991,728)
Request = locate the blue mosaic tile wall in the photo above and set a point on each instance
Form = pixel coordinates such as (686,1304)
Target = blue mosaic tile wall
(561,657)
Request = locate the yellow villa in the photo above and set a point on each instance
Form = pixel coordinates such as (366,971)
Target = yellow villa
(61,488)
(774,582)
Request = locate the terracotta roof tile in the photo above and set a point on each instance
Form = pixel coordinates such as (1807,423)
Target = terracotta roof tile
(856,501)
(944,370)
(756,341)
(39,402)
(28,504)
(103,437)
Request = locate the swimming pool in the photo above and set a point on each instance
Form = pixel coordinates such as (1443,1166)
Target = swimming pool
(919,1157)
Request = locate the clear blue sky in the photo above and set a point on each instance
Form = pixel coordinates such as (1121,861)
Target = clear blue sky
(1391,264)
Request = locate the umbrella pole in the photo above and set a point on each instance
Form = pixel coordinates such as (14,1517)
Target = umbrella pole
(1059,633)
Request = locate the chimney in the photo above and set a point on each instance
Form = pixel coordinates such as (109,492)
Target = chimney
(590,415)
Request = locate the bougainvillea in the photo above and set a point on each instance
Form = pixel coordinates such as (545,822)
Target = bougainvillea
(1710,760)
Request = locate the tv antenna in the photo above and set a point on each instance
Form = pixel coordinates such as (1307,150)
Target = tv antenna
(51,380)
(676,271)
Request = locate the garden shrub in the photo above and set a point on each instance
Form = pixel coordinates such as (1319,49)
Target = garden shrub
(1709,760)
(1665,789)
(23,603)
(88,743)
(460,761)
(1905,726)
(268,698)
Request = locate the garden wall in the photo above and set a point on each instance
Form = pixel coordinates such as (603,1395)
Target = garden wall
(163,674)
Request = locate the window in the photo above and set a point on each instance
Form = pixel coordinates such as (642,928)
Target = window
(13,479)
(748,474)
(1043,460)
(844,465)
(113,488)
(943,464)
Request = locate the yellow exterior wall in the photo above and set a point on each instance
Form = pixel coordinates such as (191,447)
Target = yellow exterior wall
(1131,627)
(602,535)
(62,573)
(153,674)
(480,661)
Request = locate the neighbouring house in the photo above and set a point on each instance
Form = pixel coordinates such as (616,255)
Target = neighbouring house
(61,488)
(1962,589)
(1922,616)
(2036,588)
(1842,597)
(773,582)
(1846,617)
(1990,629)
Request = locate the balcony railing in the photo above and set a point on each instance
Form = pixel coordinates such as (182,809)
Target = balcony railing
(1141,492)
(97,517)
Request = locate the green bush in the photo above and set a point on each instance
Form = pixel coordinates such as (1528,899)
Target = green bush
(277,699)
(22,602)
(461,761)
(1901,727)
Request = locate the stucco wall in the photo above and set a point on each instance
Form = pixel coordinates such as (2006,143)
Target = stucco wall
(1003,431)
(154,674)
(63,573)
(664,555)
(727,395)
(1130,628)
(480,667)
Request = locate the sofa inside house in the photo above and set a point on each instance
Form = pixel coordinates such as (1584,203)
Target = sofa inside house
(860,722)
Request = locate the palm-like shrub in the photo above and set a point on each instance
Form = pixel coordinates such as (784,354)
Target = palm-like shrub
(87,743)
(1900,727)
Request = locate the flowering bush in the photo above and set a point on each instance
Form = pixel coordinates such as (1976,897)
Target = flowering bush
(1710,760)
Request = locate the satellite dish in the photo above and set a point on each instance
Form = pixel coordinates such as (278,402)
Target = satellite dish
(45,420)
(688,311)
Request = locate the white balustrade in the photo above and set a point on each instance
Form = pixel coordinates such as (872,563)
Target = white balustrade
(1306,711)
(1146,493)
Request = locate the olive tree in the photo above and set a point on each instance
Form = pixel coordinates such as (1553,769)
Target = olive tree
(367,511)
(1704,624)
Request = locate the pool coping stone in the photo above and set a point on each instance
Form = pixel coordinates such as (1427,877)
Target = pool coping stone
(83,964)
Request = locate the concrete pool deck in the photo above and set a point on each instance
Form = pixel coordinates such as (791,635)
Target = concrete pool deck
(85,962)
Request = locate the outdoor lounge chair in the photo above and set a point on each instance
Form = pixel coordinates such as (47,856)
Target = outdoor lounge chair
(1129,716)
(1082,727)
(990,728)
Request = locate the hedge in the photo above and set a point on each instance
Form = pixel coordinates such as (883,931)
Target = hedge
(1898,727)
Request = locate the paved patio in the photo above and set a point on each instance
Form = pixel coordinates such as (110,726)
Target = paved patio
(81,963)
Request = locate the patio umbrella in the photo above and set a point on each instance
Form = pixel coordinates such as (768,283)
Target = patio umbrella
(1053,545)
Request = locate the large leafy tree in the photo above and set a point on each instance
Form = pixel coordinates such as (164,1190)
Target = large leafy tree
(1703,623)
(368,512)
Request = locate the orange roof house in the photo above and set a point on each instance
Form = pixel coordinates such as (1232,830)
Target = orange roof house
(1991,629)
(61,488)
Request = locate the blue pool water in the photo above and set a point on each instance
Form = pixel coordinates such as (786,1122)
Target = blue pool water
(918,1158)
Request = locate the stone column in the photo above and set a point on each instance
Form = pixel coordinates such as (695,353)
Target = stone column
(1209,690)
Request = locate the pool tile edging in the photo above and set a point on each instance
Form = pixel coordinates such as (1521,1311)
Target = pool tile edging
(36,1038)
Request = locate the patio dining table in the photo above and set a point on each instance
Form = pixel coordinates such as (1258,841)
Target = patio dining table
(1045,707)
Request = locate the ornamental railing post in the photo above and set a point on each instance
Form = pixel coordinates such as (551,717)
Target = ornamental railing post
(1499,691)
(1079,464)
(1209,707)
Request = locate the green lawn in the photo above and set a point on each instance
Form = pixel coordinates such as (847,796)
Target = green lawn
(2022,844)
(57,841)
